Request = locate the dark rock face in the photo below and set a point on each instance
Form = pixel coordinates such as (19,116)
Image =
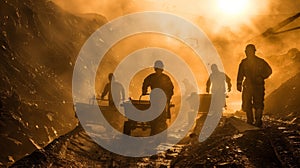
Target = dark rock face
(284,101)
(39,43)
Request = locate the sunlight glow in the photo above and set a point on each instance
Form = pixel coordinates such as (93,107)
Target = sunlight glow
(233,7)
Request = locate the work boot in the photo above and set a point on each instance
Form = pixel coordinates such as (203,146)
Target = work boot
(258,117)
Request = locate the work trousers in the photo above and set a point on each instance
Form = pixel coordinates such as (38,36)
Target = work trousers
(253,98)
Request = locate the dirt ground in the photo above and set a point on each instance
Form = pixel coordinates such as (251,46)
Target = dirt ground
(274,145)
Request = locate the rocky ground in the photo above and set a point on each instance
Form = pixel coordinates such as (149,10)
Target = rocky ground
(264,147)
(232,144)
(274,145)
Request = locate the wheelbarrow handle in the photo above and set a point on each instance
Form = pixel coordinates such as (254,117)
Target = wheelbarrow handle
(101,99)
(93,99)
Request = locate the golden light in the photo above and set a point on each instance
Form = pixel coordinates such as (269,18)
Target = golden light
(234,13)
(233,7)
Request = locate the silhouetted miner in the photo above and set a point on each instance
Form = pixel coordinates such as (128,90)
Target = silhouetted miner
(217,81)
(162,81)
(113,89)
(250,80)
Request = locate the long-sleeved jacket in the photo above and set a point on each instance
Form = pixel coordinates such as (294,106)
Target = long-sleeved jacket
(217,80)
(254,70)
(118,92)
(161,81)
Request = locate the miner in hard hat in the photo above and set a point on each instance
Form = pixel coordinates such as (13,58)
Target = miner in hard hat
(251,82)
(114,91)
(162,81)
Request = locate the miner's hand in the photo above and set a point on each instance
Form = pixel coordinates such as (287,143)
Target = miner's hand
(207,90)
(239,88)
(144,92)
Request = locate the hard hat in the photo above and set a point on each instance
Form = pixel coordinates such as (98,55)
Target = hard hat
(251,47)
(159,64)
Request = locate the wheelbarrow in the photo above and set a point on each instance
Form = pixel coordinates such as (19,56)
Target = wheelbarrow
(130,125)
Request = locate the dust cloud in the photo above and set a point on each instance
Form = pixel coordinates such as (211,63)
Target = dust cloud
(230,35)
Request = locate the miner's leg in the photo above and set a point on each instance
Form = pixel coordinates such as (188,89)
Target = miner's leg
(258,102)
(258,117)
(247,103)
(159,124)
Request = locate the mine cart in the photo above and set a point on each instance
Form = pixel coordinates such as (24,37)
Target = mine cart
(89,114)
(202,109)
(204,102)
(204,105)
